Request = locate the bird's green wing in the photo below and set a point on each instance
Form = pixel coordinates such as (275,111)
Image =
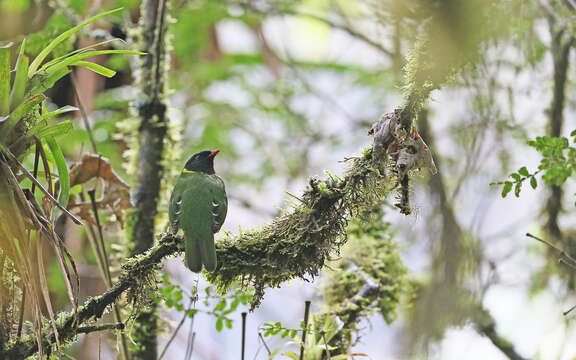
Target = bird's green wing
(219,203)
(175,206)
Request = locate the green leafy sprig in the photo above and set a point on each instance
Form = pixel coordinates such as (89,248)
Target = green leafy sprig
(558,163)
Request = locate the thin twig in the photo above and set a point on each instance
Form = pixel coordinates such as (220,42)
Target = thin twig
(190,345)
(328,357)
(176,330)
(264,343)
(562,252)
(347,29)
(103,327)
(243,333)
(306,315)
(569,310)
(101,247)
(83,113)
(191,333)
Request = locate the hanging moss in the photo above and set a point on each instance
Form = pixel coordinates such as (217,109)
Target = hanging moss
(370,277)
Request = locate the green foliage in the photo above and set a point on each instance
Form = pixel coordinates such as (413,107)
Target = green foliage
(372,251)
(320,333)
(274,328)
(558,163)
(172,296)
(21,99)
(558,158)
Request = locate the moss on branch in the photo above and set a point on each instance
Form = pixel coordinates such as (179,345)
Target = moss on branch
(297,244)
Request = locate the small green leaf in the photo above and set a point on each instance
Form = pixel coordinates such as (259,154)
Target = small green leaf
(219,324)
(228,323)
(517,189)
(507,188)
(573,133)
(515,176)
(221,305)
(99,69)
(523,171)
(533,182)
(191,312)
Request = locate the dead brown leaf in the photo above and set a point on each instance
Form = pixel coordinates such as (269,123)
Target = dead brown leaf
(115,194)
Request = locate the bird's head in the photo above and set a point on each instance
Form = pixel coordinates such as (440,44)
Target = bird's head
(202,161)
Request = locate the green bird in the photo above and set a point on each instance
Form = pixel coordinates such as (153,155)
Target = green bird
(198,205)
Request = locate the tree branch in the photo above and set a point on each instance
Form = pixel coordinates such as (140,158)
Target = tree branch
(152,113)
(104,327)
(343,27)
(485,325)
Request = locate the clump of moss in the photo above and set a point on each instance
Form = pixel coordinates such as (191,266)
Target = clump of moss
(298,243)
(369,278)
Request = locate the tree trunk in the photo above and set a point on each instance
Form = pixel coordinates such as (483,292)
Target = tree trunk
(152,131)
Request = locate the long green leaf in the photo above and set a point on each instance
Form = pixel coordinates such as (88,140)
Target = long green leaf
(62,37)
(20,79)
(62,170)
(99,69)
(73,59)
(62,110)
(5,79)
(17,115)
(84,49)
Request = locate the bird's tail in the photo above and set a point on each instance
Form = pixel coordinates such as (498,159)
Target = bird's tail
(200,252)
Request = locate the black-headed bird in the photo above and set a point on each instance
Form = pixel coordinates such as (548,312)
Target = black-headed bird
(198,206)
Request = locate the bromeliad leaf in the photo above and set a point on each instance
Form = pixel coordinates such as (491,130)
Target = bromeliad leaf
(99,69)
(44,81)
(59,111)
(62,37)
(20,78)
(16,115)
(5,79)
(72,60)
(63,175)
(52,130)
(84,49)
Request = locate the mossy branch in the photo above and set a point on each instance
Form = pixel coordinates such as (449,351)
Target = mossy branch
(134,270)
(298,243)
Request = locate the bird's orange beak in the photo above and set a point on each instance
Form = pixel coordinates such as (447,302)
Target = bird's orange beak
(214,153)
